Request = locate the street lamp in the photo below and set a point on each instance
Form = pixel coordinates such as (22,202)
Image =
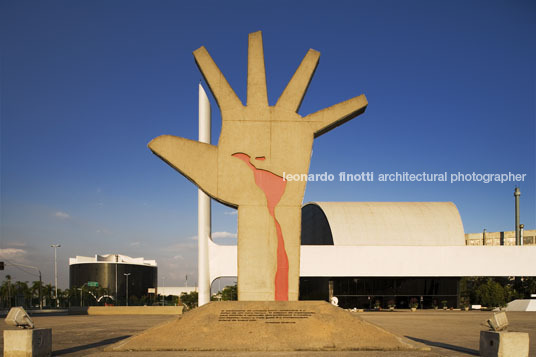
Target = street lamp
(81,294)
(127,274)
(163,296)
(55,246)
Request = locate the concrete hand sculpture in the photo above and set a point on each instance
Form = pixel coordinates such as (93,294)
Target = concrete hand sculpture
(257,144)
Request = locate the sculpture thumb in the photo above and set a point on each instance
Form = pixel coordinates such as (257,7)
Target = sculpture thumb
(195,160)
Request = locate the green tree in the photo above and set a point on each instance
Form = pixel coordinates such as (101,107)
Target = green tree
(491,294)
(229,293)
(48,294)
(35,292)
(6,293)
(67,297)
(189,300)
(22,293)
(525,286)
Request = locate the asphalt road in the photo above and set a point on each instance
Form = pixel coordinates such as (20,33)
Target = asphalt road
(448,333)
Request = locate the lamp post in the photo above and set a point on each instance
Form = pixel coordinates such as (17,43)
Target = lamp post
(55,246)
(82,294)
(517,193)
(116,262)
(40,293)
(127,274)
(163,296)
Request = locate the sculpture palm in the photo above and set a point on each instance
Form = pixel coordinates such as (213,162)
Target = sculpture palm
(257,144)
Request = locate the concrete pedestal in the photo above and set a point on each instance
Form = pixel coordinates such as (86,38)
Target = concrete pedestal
(504,344)
(28,343)
(267,326)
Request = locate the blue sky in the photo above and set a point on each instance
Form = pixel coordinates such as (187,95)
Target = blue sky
(85,85)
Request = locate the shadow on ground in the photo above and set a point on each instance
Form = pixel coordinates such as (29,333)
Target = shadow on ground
(446,346)
(89,346)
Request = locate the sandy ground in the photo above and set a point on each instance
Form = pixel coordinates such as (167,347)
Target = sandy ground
(448,333)
(80,335)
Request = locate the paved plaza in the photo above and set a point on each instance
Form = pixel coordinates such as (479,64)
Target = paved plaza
(447,333)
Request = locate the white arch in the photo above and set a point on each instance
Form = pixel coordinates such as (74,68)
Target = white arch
(394,223)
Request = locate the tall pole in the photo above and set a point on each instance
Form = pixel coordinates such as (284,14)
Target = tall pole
(163,296)
(127,274)
(517,193)
(55,246)
(40,294)
(116,262)
(9,289)
(203,208)
(82,294)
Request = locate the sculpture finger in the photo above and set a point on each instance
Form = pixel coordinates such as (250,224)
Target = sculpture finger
(292,96)
(220,88)
(198,162)
(326,119)
(257,95)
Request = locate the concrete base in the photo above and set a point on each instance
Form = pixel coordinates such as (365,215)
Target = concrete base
(28,343)
(504,344)
(522,305)
(266,326)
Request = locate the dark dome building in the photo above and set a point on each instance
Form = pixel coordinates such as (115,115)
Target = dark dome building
(111,272)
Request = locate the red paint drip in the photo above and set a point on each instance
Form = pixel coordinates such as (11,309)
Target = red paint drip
(273,187)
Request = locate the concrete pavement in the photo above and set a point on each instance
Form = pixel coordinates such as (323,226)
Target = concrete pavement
(448,333)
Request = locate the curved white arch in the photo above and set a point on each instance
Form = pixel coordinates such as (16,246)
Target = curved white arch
(394,223)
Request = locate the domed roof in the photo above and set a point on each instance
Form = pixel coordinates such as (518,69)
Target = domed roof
(382,223)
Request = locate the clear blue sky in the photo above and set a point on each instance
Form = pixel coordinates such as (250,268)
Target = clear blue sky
(85,85)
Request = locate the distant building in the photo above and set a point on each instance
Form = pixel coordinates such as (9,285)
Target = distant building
(402,224)
(109,272)
(500,238)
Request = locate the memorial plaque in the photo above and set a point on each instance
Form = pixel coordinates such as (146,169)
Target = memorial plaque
(269,316)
